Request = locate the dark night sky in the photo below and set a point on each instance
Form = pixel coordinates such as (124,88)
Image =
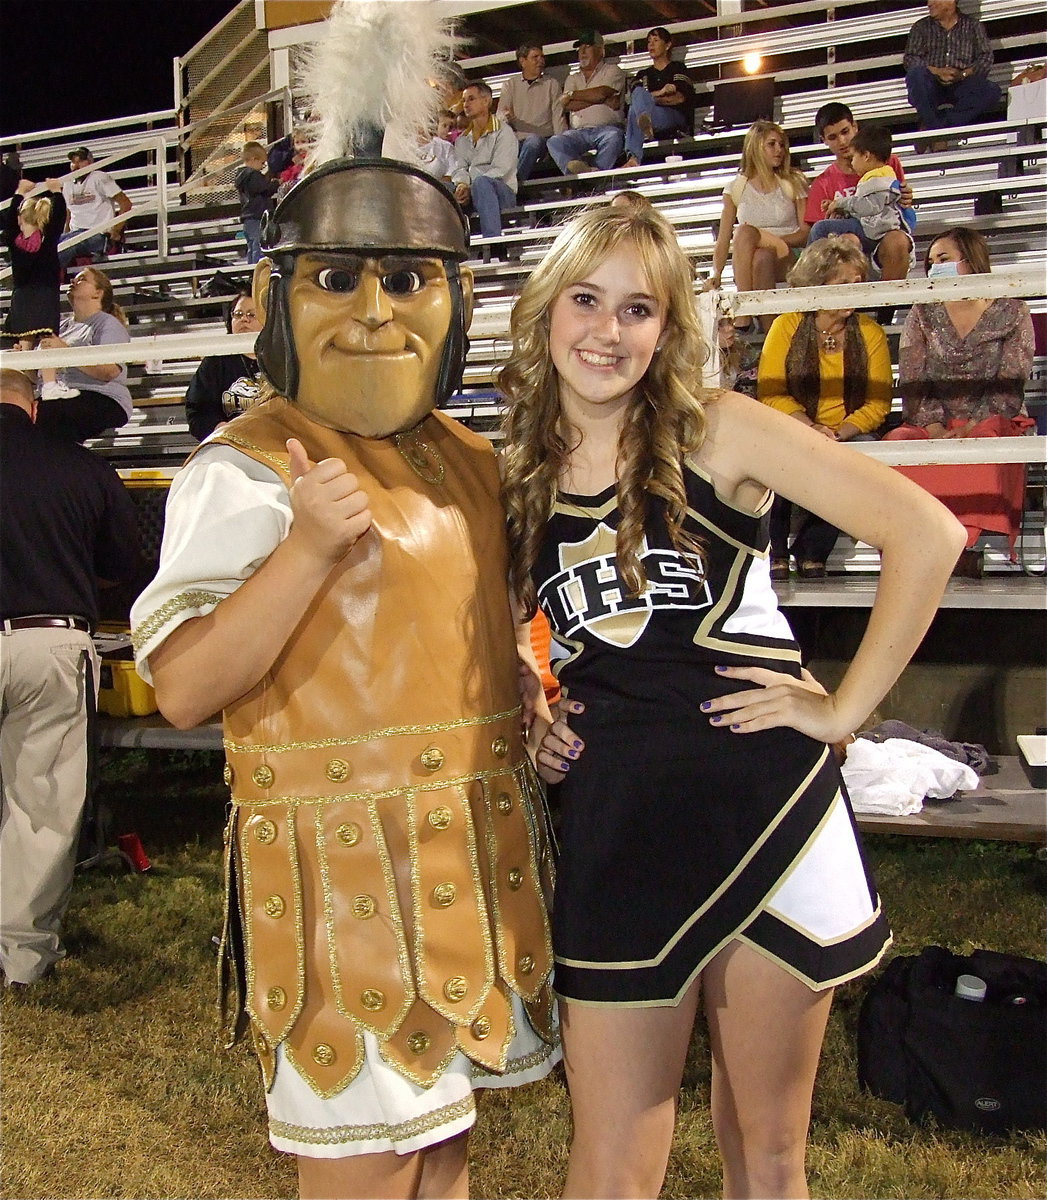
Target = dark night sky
(67,61)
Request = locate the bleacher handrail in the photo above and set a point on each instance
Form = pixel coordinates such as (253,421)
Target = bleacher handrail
(493,322)
(881,24)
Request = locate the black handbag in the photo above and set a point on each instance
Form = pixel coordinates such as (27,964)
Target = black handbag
(972,1065)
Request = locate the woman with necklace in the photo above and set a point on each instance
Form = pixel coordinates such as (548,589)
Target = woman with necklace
(962,370)
(224,385)
(830,370)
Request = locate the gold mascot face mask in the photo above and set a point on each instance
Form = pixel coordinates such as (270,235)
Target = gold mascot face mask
(364,302)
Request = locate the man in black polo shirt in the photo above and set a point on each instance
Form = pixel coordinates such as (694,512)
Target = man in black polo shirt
(661,98)
(67,522)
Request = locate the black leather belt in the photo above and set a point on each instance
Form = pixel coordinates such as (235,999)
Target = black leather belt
(46,623)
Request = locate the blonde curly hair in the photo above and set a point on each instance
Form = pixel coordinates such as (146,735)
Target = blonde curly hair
(664,423)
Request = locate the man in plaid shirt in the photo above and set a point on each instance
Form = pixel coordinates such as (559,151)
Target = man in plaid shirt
(947,61)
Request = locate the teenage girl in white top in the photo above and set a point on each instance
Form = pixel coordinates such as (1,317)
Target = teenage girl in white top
(765,200)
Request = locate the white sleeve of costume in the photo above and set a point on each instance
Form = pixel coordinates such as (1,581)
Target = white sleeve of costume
(225,515)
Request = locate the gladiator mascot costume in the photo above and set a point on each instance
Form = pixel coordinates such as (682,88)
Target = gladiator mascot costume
(388,861)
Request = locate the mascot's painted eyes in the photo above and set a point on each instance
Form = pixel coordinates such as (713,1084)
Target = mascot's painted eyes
(337,279)
(403,283)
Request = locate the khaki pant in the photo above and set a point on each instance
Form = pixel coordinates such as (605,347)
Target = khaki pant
(43,776)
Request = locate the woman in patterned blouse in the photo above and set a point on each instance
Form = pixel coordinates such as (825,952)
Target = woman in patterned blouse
(962,369)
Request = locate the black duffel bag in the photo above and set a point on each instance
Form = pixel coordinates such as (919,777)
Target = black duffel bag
(972,1065)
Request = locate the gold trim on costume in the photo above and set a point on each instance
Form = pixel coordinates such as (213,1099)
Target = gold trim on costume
(356,739)
(828,983)
(433,785)
(517,1066)
(282,465)
(338,1135)
(194,598)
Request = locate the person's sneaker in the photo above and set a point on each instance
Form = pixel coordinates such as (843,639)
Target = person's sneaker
(56,390)
(646,128)
(578,166)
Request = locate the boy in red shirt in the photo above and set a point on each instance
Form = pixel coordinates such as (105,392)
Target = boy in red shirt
(836,126)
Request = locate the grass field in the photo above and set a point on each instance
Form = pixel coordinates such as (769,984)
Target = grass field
(112,1086)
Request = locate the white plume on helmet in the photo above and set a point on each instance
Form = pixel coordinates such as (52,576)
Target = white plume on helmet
(372,69)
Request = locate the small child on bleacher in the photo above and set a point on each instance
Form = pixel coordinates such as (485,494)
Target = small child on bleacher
(874,208)
(437,152)
(256,191)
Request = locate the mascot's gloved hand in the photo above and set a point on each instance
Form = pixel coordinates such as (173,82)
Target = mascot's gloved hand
(330,510)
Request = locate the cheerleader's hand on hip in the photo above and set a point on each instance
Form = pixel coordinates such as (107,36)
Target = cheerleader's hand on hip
(560,746)
(777,700)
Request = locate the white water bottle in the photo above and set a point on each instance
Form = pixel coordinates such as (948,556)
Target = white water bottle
(970,987)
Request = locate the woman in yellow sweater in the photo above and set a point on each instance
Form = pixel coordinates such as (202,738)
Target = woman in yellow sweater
(829,369)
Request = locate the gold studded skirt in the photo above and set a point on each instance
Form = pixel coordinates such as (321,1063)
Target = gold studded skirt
(391,926)
(382,1111)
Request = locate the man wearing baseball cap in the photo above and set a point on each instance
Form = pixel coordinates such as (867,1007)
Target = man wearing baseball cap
(90,201)
(593,101)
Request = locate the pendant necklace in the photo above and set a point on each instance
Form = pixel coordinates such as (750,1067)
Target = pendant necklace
(420,456)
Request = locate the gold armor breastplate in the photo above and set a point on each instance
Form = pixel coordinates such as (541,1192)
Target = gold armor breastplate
(388,856)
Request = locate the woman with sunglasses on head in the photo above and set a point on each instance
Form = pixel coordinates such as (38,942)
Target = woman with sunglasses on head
(706,845)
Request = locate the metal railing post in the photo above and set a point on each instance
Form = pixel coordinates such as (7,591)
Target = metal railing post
(162,240)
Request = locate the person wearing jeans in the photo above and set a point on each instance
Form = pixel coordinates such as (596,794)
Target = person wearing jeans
(947,61)
(661,100)
(530,103)
(486,155)
(592,98)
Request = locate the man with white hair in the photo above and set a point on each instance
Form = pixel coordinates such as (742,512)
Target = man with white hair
(592,98)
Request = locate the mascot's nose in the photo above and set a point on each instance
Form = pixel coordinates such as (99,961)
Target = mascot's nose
(371,305)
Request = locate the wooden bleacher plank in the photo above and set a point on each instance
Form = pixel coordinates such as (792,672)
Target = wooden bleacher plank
(1004,808)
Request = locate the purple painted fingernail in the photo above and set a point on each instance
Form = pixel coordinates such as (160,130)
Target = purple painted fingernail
(721,669)
(573,753)
(707,705)
(715,720)
(577,744)
(565,766)
(736,726)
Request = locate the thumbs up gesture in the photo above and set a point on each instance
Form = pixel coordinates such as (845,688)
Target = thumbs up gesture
(330,511)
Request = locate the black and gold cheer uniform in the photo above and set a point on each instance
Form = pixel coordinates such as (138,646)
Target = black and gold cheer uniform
(679,837)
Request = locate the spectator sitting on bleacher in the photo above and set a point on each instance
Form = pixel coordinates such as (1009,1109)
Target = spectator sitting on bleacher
(256,190)
(436,153)
(661,98)
(224,385)
(103,401)
(873,211)
(593,98)
(962,369)
(835,125)
(947,61)
(766,200)
(32,226)
(830,370)
(530,104)
(89,202)
(485,157)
